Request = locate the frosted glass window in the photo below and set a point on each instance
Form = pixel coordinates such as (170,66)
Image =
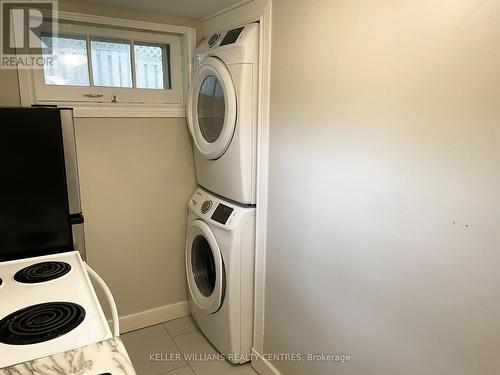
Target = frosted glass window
(69,66)
(111,66)
(149,65)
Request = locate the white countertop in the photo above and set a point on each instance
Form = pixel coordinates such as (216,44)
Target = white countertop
(104,357)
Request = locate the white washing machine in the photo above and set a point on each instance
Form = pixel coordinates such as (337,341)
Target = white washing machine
(220,272)
(222,112)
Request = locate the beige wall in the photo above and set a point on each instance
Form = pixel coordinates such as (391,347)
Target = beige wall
(107,11)
(247,13)
(136,175)
(384,186)
(9,94)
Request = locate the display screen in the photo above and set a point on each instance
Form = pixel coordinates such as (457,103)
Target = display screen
(222,213)
(231,36)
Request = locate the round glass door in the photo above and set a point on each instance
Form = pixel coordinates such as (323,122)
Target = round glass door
(212,108)
(204,267)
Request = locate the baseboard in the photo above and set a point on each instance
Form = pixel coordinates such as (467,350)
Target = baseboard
(262,365)
(153,316)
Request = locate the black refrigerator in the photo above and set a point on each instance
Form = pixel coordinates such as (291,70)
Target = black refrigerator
(40,208)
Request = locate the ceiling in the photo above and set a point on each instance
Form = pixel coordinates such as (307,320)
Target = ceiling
(196,9)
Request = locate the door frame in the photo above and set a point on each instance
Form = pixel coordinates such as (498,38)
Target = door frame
(262,178)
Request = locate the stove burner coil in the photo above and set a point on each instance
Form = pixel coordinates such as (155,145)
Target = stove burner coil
(39,323)
(41,272)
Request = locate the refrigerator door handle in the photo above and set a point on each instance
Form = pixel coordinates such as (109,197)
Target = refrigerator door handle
(70,158)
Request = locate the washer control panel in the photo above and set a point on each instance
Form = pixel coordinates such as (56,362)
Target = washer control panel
(222,213)
(214,209)
(206,206)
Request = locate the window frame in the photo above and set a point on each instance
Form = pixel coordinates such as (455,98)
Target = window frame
(75,94)
(170,103)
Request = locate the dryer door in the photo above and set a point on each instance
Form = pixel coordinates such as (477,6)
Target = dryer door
(211,108)
(204,267)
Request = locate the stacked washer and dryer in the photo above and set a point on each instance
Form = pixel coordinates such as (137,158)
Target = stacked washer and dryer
(220,245)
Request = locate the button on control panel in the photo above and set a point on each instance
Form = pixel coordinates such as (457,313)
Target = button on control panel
(213,39)
(206,206)
(222,213)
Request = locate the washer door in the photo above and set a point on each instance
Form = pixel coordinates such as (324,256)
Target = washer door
(204,267)
(211,108)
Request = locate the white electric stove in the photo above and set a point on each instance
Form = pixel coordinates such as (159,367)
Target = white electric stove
(47,302)
(48,305)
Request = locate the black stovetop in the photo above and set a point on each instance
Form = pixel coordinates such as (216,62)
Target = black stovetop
(39,323)
(42,272)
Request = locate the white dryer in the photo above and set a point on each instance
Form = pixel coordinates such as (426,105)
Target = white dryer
(222,112)
(220,272)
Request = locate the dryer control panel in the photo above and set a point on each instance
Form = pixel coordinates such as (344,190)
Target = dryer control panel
(231,36)
(238,45)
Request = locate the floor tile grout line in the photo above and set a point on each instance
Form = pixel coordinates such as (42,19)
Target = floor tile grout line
(177,346)
(184,362)
(180,334)
(175,369)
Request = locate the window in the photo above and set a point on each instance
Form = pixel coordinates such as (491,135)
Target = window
(149,68)
(109,64)
(70,66)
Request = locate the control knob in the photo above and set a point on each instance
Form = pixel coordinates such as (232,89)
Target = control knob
(206,206)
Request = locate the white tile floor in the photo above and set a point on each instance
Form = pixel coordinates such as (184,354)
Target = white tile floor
(177,337)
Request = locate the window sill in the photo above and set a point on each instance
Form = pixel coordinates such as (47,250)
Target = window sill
(122,110)
(117,110)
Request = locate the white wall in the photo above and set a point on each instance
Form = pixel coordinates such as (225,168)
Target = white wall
(384,186)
